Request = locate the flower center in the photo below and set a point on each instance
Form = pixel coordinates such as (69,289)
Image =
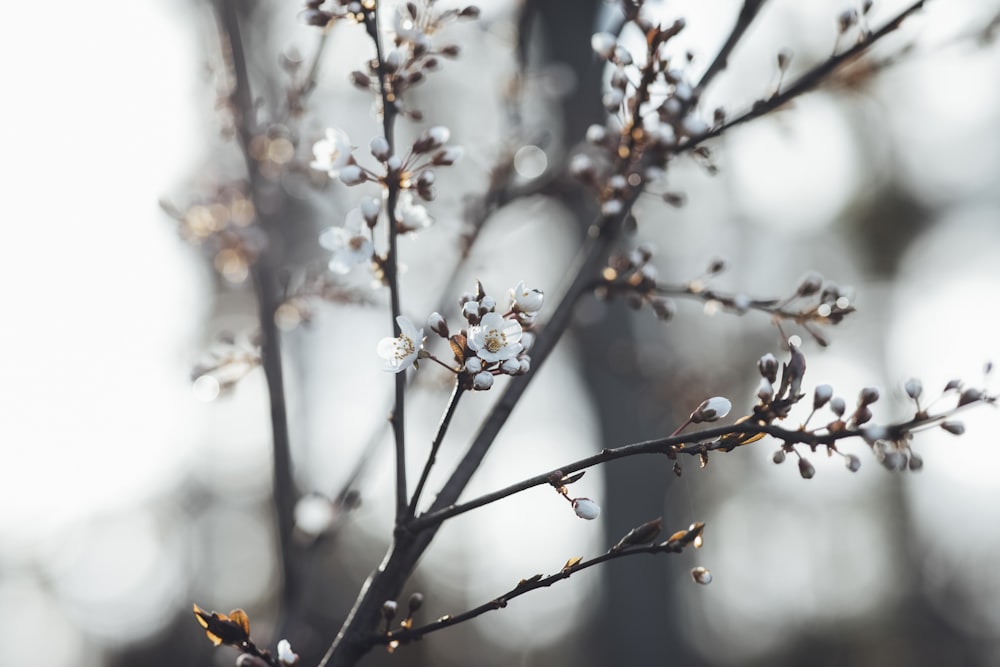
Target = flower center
(495,341)
(404,346)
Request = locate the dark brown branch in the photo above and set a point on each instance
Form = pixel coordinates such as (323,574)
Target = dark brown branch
(268,300)
(675,544)
(805,82)
(747,15)
(695,443)
(456,394)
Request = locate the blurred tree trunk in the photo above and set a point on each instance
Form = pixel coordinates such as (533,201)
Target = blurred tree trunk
(635,623)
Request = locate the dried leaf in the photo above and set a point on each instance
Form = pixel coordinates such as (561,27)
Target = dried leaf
(233,629)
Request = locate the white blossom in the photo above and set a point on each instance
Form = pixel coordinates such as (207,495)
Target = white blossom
(349,244)
(285,653)
(411,215)
(526,300)
(332,153)
(603,43)
(399,353)
(495,338)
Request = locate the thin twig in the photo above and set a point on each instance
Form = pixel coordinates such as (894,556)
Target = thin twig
(805,82)
(456,394)
(747,15)
(403,636)
(391,264)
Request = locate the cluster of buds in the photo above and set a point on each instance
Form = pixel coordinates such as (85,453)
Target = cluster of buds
(632,273)
(494,343)
(413,173)
(817,301)
(223,225)
(652,103)
(417,51)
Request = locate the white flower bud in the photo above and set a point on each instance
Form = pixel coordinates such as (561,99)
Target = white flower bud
(482,381)
(683,91)
(596,134)
(806,469)
(603,43)
(370,207)
(525,362)
(511,367)
(622,56)
(352,175)
(439,134)
(438,324)
(285,654)
(380,148)
(581,165)
(701,575)
(837,405)
(822,395)
(913,388)
(449,155)
(586,508)
(395,60)
(612,207)
(473,365)
(694,126)
(765,391)
(394,163)
(712,409)
(852,462)
(487,304)
(470,310)
(526,300)
(612,99)
(953,427)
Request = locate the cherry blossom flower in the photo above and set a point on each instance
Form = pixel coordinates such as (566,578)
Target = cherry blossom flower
(411,216)
(399,353)
(349,244)
(332,153)
(495,338)
(526,300)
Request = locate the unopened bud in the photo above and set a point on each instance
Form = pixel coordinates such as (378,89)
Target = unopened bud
(915,462)
(809,284)
(379,147)
(701,575)
(953,427)
(822,395)
(370,207)
(351,175)
(838,406)
(604,44)
(711,410)
(806,469)
(913,388)
(415,602)
(482,381)
(596,134)
(586,508)
(768,367)
(852,462)
(389,609)
(286,656)
(765,391)
(663,307)
(868,396)
(438,324)
(779,456)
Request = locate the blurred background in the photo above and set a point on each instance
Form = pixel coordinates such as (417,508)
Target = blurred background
(126,494)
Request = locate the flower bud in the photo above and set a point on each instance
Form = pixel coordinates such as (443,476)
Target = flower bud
(806,469)
(701,575)
(352,174)
(473,365)
(868,396)
(838,406)
(285,654)
(389,609)
(596,134)
(586,508)
(779,456)
(415,602)
(482,381)
(953,427)
(664,308)
(852,462)
(767,365)
(711,410)
(822,395)
(913,388)
(603,43)
(511,367)
(380,148)
(438,324)
(370,207)
(809,284)
(915,463)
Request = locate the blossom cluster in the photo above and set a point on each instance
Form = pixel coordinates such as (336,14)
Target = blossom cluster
(350,242)
(494,343)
